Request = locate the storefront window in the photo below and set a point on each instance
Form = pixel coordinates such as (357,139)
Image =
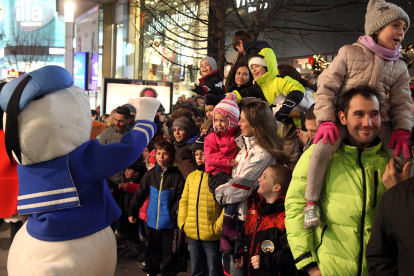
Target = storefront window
(173,44)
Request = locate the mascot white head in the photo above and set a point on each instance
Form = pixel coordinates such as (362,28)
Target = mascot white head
(41,125)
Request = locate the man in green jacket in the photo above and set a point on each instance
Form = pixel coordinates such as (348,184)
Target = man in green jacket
(350,195)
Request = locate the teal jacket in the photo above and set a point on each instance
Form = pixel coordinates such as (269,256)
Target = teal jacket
(349,201)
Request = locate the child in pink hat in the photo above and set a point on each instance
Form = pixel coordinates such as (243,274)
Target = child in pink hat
(220,150)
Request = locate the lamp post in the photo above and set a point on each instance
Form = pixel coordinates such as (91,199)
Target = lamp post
(69,18)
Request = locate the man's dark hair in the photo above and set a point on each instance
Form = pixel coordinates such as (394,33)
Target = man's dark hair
(240,35)
(123,110)
(281,175)
(310,115)
(167,146)
(342,103)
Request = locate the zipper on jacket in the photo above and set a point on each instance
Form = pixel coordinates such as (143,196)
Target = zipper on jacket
(254,241)
(364,205)
(323,232)
(159,199)
(198,198)
(375,187)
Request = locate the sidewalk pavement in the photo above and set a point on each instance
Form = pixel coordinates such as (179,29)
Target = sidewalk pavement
(124,267)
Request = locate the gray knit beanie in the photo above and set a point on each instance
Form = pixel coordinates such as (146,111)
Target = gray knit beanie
(381,13)
(185,124)
(211,61)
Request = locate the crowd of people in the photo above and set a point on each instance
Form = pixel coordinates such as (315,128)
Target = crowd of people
(272,173)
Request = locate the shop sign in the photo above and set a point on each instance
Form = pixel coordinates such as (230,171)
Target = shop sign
(80,72)
(180,18)
(13,74)
(32,15)
(251,5)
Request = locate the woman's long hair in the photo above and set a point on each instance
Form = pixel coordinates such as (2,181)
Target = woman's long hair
(265,133)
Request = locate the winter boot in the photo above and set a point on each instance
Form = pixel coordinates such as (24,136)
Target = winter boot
(229,228)
(226,247)
(134,253)
(128,248)
(312,217)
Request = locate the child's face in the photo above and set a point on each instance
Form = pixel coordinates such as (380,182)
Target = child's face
(257,70)
(205,68)
(392,35)
(200,157)
(267,185)
(200,102)
(130,173)
(179,134)
(163,157)
(150,166)
(221,122)
(240,47)
(209,111)
(145,153)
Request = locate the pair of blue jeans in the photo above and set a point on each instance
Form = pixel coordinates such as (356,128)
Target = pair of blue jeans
(205,253)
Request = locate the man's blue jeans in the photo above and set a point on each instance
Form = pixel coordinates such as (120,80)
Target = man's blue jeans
(202,251)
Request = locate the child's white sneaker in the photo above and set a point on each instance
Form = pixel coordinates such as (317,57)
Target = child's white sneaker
(312,217)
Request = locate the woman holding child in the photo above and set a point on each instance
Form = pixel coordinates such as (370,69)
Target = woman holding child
(260,146)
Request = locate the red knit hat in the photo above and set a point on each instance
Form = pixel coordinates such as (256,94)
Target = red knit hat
(228,107)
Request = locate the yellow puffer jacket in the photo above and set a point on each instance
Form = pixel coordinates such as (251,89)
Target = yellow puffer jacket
(199,215)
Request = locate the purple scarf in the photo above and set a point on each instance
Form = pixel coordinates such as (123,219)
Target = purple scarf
(385,53)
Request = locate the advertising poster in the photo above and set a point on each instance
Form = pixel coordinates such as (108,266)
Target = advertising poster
(87,31)
(80,70)
(119,93)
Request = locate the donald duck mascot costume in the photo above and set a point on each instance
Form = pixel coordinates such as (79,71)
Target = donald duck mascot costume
(62,174)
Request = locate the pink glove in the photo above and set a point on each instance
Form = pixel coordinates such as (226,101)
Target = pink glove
(327,130)
(400,138)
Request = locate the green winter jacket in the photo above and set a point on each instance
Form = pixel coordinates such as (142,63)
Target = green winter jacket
(270,84)
(349,201)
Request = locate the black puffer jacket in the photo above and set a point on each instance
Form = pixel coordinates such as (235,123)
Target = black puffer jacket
(266,236)
(211,84)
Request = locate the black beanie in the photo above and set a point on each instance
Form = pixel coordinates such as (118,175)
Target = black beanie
(199,144)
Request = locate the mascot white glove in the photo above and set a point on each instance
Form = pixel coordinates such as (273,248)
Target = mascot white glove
(146,108)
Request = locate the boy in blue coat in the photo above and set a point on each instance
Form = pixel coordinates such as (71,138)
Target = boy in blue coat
(163,185)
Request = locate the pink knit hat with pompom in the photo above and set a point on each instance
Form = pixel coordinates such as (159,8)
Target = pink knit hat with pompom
(228,107)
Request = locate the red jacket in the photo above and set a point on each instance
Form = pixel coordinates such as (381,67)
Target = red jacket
(9,185)
(220,149)
(265,235)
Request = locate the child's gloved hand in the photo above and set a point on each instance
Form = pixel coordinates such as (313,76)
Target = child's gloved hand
(327,130)
(400,138)
(146,108)
(198,89)
(285,110)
